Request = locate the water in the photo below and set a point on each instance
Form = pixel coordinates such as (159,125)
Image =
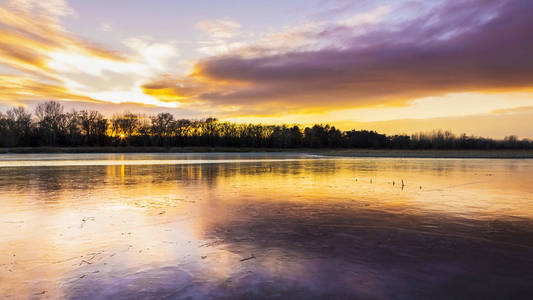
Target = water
(158,226)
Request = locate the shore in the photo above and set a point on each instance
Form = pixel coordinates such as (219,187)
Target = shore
(329,152)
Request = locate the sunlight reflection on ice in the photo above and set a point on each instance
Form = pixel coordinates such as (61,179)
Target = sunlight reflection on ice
(251,225)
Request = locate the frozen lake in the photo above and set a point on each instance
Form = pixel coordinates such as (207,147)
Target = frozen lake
(268,225)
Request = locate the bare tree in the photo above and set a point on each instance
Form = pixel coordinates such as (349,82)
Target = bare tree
(18,125)
(125,125)
(93,125)
(51,121)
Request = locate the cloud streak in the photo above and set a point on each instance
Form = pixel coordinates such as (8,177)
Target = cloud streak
(27,40)
(43,60)
(17,88)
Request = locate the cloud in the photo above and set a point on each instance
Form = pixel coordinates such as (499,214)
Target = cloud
(329,8)
(50,9)
(368,17)
(51,62)
(514,110)
(17,88)
(219,34)
(156,55)
(28,42)
(458,46)
(105,27)
(219,29)
(169,88)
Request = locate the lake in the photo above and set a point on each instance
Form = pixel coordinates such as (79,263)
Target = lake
(264,225)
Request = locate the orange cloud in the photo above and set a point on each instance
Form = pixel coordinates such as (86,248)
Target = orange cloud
(17,88)
(57,63)
(27,40)
(521,109)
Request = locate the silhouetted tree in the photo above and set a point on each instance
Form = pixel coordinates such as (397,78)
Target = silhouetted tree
(399,142)
(51,126)
(365,139)
(73,135)
(125,125)
(93,127)
(16,127)
(51,122)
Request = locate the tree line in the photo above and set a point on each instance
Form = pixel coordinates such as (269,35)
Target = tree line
(50,125)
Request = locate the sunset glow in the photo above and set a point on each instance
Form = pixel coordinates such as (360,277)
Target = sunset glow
(392,66)
(259,149)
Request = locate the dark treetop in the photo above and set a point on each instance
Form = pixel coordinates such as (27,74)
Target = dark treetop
(49,125)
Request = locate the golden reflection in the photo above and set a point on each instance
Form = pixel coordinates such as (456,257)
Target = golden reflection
(89,221)
(122,167)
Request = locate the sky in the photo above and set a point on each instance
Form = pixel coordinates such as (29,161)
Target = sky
(400,66)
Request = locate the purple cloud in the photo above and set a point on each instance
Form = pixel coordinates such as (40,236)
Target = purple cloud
(458,46)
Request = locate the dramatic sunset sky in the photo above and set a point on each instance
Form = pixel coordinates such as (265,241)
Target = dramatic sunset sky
(398,66)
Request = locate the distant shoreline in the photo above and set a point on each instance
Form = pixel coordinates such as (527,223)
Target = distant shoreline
(393,153)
